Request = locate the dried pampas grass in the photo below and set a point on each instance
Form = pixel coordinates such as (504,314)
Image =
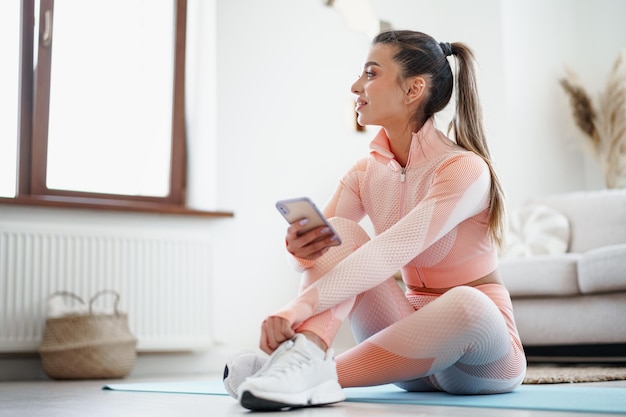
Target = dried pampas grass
(582,106)
(604,126)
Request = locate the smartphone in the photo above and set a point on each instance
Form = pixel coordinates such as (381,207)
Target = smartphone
(299,208)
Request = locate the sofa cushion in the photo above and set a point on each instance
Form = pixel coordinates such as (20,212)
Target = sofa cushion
(584,320)
(536,229)
(541,276)
(603,270)
(597,218)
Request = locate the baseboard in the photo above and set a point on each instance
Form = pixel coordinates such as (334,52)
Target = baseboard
(588,353)
(28,367)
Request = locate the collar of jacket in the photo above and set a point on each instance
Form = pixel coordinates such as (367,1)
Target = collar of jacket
(420,143)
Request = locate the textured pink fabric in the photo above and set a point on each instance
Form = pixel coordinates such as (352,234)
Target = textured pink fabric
(430,221)
(461,342)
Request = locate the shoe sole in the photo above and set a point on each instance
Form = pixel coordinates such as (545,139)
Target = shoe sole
(249,401)
(325,394)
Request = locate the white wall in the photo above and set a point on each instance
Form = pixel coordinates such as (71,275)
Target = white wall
(541,39)
(281,124)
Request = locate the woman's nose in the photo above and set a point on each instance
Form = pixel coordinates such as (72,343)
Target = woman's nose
(356,88)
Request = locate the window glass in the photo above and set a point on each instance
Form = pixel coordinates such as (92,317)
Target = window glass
(110,121)
(9,91)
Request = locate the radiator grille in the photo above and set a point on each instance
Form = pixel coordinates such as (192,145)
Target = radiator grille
(164,284)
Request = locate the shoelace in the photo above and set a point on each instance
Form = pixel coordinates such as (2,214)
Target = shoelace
(272,358)
(284,359)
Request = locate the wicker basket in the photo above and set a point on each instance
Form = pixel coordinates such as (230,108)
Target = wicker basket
(89,345)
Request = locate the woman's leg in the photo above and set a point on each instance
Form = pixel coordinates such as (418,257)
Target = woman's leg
(370,311)
(326,324)
(376,310)
(424,348)
(298,373)
(459,342)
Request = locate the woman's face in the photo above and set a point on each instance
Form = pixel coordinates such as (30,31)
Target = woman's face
(381,100)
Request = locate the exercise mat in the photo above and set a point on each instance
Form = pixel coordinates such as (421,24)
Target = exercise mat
(527,397)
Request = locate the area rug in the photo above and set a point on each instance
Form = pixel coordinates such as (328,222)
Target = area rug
(527,397)
(558,374)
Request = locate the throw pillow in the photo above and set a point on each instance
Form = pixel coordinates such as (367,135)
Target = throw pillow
(536,229)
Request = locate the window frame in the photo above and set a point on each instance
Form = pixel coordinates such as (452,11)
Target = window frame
(33,111)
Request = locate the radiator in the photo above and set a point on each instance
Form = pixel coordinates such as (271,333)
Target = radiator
(163,282)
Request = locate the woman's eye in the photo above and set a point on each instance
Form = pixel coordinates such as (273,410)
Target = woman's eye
(367,74)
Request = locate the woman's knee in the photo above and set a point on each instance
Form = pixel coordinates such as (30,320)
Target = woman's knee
(352,237)
(351,233)
(466,295)
(471,304)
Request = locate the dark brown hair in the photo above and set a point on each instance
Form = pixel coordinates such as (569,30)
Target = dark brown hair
(419,54)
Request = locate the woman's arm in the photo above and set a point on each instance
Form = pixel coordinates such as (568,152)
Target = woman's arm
(460,190)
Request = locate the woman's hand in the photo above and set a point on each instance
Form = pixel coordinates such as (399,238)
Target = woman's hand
(312,244)
(274,331)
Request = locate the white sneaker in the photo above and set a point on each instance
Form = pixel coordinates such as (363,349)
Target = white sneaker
(239,367)
(296,375)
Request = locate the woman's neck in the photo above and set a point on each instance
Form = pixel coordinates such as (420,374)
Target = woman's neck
(400,142)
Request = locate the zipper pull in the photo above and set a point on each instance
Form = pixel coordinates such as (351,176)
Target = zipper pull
(403,174)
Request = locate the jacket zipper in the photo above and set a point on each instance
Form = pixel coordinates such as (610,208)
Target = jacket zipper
(403,185)
(402,192)
(402,213)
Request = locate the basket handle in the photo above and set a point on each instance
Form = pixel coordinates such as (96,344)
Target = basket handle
(101,293)
(66,294)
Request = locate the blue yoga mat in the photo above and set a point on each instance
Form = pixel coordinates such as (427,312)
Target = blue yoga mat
(527,397)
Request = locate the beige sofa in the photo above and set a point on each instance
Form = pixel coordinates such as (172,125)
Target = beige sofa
(566,271)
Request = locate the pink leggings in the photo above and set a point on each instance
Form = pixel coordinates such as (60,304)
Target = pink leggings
(462,342)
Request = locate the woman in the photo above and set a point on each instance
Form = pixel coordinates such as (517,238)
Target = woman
(437,210)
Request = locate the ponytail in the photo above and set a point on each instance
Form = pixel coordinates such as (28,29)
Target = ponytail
(467,127)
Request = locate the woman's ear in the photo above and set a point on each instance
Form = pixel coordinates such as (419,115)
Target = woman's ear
(416,89)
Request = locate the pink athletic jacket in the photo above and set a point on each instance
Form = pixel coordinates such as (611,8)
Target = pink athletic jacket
(430,219)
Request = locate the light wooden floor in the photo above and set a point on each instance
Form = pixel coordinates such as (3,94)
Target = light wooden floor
(86,398)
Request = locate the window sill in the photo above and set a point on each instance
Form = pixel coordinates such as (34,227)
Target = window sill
(110,205)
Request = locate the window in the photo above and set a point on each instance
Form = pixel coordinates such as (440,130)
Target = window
(112,102)
(9,80)
(100,115)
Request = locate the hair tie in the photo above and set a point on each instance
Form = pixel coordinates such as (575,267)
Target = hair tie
(446,48)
